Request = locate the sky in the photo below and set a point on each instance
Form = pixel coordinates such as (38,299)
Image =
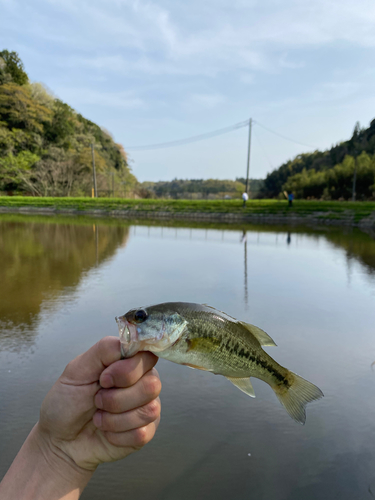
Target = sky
(151,72)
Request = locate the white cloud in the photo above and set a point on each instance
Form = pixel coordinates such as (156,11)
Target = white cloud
(173,38)
(285,62)
(80,96)
(336,91)
(207,100)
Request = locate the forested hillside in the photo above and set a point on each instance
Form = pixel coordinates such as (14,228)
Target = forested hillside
(45,146)
(193,189)
(329,174)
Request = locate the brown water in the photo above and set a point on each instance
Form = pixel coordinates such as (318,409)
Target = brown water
(62,282)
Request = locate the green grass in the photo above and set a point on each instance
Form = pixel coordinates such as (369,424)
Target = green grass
(323,209)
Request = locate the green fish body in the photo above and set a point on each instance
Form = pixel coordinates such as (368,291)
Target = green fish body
(202,337)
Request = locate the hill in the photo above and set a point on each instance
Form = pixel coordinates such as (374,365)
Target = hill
(329,174)
(45,145)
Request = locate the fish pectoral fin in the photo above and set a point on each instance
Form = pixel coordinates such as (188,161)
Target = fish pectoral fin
(262,337)
(244,385)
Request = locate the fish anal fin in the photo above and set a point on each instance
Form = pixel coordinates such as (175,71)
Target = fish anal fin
(195,366)
(243,384)
(262,337)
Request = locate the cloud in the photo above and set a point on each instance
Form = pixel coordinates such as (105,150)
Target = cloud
(207,100)
(247,78)
(81,96)
(285,62)
(194,38)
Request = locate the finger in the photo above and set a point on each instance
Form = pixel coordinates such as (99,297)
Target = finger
(122,422)
(127,372)
(135,438)
(139,394)
(87,368)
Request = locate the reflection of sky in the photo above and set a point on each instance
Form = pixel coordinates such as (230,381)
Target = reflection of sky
(299,293)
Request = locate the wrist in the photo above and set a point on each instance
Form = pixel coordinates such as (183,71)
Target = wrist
(57,461)
(42,471)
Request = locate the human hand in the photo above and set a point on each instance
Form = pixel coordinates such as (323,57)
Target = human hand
(102,408)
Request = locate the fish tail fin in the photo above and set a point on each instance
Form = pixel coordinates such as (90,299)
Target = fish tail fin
(297,395)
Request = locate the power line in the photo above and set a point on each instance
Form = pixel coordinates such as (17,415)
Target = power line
(214,133)
(188,140)
(284,137)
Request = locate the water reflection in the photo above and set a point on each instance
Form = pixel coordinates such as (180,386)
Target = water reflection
(358,246)
(294,280)
(246,294)
(39,263)
(43,258)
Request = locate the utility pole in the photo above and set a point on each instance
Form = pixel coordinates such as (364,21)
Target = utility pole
(248,155)
(94,193)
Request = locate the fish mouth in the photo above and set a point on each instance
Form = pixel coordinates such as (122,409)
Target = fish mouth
(128,337)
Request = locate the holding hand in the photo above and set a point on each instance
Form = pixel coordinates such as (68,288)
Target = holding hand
(101,409)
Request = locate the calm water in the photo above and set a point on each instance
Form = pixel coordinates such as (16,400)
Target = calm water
(62,282)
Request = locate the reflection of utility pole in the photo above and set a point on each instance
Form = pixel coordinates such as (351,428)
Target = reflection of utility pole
(354,179)
(248,156)
(244,240)
(94,194)
(96,232)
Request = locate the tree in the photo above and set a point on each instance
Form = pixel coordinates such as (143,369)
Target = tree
(12,69)
(34,123)
(16,171)
(19,110)
(62,124)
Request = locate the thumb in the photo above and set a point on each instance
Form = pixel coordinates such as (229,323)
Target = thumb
(87,367)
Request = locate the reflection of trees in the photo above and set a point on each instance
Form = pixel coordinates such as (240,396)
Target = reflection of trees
(39,262)
(357,245)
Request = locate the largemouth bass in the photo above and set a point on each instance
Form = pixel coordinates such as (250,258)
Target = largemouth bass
(202,337)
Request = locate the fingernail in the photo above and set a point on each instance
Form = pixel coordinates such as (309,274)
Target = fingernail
(99,401)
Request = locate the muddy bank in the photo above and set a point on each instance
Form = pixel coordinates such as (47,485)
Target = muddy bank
(345,218)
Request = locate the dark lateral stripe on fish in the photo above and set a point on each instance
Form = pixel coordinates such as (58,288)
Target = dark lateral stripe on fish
(205,341)
(248,355)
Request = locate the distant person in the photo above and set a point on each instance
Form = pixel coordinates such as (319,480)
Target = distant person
(101,409)
(290,199)
(245,197)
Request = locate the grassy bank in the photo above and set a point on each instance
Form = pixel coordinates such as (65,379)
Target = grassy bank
(301,208)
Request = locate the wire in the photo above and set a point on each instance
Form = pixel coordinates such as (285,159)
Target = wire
(188,140)
(284,137)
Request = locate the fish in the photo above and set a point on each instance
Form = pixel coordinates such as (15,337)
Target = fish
(202,337)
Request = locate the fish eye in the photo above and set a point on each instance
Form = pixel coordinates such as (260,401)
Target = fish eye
(140,316)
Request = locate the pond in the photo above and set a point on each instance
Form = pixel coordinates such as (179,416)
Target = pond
(63,280)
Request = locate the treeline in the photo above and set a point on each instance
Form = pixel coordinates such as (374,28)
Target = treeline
(45,146)
(193,189)
(329,174)
(336,183)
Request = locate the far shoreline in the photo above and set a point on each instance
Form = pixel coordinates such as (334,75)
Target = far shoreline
(349,214)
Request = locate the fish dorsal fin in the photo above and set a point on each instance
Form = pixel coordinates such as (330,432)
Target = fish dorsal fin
(244,385)
(262,337)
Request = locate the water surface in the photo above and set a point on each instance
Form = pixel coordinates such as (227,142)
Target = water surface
(62,282)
